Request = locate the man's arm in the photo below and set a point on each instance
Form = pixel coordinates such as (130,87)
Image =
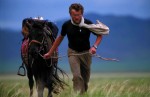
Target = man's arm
(55,45)
(97,42)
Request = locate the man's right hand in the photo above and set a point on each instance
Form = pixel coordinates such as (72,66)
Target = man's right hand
(47,56)
(54,47)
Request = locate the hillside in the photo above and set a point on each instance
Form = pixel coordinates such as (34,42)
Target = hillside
(128,41)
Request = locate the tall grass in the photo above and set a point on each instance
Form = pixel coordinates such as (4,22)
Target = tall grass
(99,86)
(13,88)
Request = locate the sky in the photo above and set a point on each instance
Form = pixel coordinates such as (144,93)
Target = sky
(12,12)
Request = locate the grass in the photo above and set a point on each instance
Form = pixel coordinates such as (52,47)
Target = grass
(101,85)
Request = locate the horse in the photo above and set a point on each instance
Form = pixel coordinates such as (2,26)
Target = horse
(39,36)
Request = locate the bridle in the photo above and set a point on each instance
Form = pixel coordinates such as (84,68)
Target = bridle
(35,41)
(43,45)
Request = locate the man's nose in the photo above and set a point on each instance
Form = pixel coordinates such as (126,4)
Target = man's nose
(77,18)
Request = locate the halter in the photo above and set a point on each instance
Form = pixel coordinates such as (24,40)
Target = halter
(35,41)
(41,48)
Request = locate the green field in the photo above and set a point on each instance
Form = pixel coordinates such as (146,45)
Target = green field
(101,85)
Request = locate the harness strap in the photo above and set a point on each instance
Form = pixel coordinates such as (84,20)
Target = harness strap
(35,41)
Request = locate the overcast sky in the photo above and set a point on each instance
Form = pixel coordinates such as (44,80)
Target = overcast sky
(13,11)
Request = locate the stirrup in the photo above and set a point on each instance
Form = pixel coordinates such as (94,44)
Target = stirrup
(24,73)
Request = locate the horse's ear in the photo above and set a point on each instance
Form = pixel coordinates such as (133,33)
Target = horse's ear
(28,23)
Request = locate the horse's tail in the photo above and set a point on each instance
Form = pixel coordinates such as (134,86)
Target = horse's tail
(58,81)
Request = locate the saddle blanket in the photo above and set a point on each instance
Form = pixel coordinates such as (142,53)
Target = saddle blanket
(24,50)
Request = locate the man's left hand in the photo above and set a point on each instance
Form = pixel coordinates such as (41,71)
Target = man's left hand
(92,50)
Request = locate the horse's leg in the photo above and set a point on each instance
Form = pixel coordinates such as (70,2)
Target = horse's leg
(40,88)
(31,81)
(49,92)
(50,95)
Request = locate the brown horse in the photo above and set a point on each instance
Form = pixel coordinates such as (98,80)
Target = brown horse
(39,36)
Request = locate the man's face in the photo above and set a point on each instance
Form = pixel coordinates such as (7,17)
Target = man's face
(76,16)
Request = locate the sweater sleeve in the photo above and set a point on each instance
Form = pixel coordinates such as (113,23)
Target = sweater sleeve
(63,30)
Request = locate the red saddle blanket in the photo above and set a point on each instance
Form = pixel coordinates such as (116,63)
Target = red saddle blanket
(24,50)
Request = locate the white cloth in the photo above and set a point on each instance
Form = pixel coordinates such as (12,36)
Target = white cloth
(98,28)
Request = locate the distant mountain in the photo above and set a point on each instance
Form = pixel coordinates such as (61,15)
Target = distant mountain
(128,41)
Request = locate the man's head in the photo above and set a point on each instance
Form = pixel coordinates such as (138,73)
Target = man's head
(76,11)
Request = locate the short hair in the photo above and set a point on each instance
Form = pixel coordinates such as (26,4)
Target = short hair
(77,7)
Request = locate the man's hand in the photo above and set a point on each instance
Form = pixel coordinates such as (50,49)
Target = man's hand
(47,56)
(92,50)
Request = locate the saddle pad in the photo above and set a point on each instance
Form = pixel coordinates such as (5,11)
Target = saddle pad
(24,50)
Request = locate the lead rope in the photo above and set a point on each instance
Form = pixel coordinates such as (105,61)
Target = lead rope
(93,55)
(107,59)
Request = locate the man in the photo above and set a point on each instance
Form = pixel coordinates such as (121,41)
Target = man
(79,51)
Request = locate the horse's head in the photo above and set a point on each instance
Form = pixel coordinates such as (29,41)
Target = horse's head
(38,35)
(36,42)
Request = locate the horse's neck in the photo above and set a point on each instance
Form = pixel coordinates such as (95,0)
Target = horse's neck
(49,42)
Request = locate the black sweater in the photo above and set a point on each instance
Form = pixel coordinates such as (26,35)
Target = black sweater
(78,37)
